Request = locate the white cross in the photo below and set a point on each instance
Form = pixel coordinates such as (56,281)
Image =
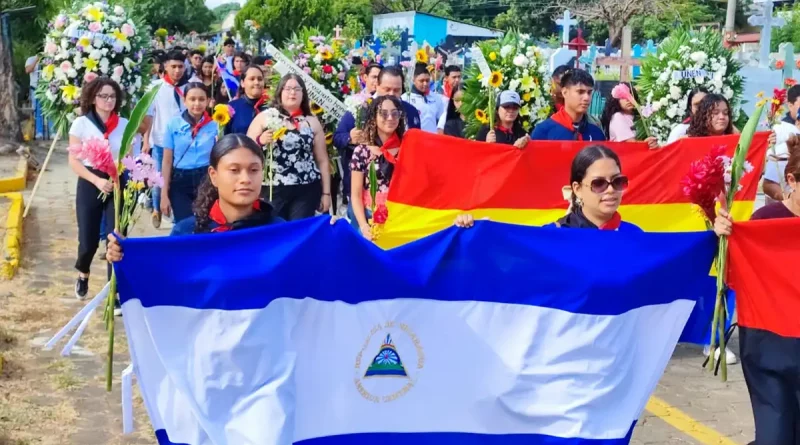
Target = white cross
(338,30)
(566,23)
(766,22)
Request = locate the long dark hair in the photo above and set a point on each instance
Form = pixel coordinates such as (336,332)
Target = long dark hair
(371,126)
(207,194)
(452,111)
(612,107)
(689,100)
(93,88)
(701,121)
(276,100)
(583,160)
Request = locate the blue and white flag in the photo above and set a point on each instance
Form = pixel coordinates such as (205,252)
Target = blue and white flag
(306,333)
(231,81)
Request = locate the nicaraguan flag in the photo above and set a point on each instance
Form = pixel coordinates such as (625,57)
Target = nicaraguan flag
(496,335)
(231,81)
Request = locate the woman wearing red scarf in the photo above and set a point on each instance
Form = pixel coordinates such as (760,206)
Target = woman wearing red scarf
(100,104)
(301,172)
(596,188)
(508,128)
(384,131)
(228,199)
(189,138)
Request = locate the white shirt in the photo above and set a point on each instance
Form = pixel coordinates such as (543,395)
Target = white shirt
(678,132)
(164,108)
(430,109)
(33,60)
(443,119)
(774,170)
(83,129)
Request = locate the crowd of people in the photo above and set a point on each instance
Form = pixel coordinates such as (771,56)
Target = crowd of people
(252,177)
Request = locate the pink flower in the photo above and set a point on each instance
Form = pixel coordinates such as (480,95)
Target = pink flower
(89,76)
(381,214)
(118,70)
(95,26)
(65,66)
(231,111)
(622,92)
(128,30)
(96,152)
(61,20)
(50,48)
(705,181)
(647,111)
(307,70)
(341,76)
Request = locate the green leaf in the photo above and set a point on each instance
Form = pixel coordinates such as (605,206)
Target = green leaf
(135,121)
(373,183)
(739,157)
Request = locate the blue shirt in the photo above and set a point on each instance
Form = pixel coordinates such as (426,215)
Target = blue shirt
(551,130)
(188,152)
(244,113)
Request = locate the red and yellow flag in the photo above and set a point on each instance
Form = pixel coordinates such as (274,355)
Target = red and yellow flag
(439,177)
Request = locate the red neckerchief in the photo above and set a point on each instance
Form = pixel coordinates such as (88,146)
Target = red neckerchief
(613,223)
(448,89)
(111,125)
(205,120)
(559,106)
(236,73)
(502,129)
(392,143)
(562,118)
(216,215)
(687,120)
(174,84)
(261,101)
(293,118)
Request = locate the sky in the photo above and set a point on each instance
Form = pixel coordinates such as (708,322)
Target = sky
(211,4)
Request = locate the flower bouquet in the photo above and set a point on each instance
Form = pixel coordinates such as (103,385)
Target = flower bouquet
(622,92)
(717,178)
(685,60)
(97,152)
(222,116)
(517,65)
(773,116)
(358,106)
(273,123)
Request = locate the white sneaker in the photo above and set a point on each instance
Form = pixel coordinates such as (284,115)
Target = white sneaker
(730,357)
(118,311)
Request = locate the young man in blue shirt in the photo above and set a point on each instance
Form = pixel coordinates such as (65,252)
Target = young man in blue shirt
(571,123)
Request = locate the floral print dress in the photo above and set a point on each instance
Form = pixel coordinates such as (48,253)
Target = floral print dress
(293,157)
(360,163)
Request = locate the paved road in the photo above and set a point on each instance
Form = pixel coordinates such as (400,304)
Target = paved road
(691,406)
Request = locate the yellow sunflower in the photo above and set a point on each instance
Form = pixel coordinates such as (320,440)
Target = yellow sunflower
(326,55)
(496,80)
(221,115)
(422,56)
(492,56)
(329,138)
(481,116)
(278,134)
(316,109)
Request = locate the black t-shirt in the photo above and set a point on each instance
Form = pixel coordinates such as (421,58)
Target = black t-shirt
(502,137)
(454,127)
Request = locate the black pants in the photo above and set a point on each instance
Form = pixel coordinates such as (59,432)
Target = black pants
(293,202)
(183,190)
(90,208)
(771,366)
(347,155)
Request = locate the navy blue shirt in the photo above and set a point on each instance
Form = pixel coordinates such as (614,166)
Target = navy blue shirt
(551,130)
(244,113)
(341,137)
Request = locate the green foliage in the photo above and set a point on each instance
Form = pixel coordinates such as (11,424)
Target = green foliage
(353,28)
(790,32)
(687,12)
(388,35)
(181,16)
(438,7)
(135,121)
(222,11)
(278,18)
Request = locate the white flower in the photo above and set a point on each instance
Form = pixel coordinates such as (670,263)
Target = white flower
(514,84)
(506,50)
(95,55)
(521,61)
(699,57)
(727,92)
(118,10)
(675,92)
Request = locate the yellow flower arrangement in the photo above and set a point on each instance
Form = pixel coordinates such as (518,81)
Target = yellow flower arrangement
(70,92)
(94,14)
(496,80)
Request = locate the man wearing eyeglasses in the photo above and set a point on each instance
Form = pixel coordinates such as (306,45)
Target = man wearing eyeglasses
(347,136)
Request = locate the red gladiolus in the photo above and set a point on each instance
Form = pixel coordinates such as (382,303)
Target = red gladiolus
(327,69)
(705,181)
(381,215)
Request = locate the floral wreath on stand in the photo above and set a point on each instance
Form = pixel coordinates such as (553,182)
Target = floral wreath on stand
(96,40)
(686,60)
(516,64)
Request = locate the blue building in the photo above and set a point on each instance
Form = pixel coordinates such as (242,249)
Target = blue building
(432,29)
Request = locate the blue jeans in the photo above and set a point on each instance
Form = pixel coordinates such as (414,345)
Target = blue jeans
(352,216)
(183,190)
(158,155)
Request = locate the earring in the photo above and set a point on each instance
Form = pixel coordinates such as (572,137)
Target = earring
(578,201)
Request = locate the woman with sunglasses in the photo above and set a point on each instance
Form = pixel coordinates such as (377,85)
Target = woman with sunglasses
(301,172)
(384,131)
(596,188)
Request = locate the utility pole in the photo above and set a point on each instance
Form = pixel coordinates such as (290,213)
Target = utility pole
(730,20)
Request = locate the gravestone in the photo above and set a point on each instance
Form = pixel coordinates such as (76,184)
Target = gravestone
(651,47)
(404,44)
(766,21)
(561,56)
(588,59)
(566,22)
(608,49)
(625,61)
(788,59)
(637,54)
(376,46)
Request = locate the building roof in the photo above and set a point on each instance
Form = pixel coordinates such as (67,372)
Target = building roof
(410,13)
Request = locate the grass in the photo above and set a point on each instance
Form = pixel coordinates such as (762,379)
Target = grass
(63,377)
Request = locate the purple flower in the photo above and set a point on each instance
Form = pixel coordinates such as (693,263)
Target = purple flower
(647,111)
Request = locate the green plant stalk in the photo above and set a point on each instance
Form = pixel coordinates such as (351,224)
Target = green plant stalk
(491,108)
(373,185)
(112,294)
(271,147)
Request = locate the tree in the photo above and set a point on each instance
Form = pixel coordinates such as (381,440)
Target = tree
(222,11)
(9,113)
(174,15)
(614,13)
(439,7)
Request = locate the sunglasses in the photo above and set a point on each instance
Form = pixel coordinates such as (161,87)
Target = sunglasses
(600,185)
(389,114)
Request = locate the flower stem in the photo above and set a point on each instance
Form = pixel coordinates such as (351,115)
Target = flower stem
(112,292)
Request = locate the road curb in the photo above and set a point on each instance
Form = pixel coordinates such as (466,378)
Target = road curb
(17,182)
(12,243)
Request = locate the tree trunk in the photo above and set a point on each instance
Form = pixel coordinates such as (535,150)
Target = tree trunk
(9,113)
(615,34)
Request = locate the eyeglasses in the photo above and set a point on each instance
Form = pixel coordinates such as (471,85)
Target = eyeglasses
(107,97)
(389,114)
(293,89)
(600,185)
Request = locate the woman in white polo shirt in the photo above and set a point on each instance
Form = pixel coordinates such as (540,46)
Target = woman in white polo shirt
(100,103)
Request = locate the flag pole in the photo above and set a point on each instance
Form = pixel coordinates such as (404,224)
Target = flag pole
(41,173)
